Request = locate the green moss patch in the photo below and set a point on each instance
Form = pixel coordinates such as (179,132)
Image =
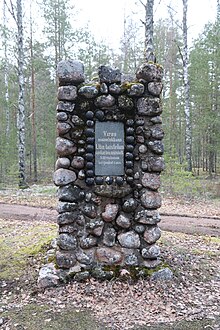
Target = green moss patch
(21,241)
(35,317)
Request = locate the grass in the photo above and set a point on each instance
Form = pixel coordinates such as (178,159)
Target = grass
(19,243)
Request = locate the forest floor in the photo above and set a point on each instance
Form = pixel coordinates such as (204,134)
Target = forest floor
(189,245)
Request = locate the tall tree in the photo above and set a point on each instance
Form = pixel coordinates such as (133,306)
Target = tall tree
(5,45)
(33,108)
(205,82)
(149,30)
(188,138)
(17,14)
(58,29)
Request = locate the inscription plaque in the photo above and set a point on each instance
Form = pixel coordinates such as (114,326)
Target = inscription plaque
(109,148)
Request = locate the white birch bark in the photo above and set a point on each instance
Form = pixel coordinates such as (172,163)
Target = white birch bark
(21,107)
(7,115)
(188,131)
(33,109)
(149,30)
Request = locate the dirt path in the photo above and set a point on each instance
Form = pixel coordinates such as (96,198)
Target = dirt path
(189,225)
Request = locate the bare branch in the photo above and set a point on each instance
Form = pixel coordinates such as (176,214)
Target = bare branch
(142,3)
(11,9)
(180,52)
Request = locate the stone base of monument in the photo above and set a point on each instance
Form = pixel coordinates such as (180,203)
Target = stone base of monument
(109,148)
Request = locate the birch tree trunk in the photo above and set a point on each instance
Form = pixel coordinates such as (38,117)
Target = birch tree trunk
(21,107)
(149,30)
(188,132)
(7,116)
(33,108)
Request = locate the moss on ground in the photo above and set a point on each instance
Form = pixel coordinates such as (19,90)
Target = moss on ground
(35,317)
(19,243)
(38,317)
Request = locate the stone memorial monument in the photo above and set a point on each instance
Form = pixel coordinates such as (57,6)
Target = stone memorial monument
(109,148)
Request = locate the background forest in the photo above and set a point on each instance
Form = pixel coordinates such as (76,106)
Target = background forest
(51,33)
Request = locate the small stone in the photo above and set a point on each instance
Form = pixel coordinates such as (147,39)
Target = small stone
(63,177)
(101,274)
(66,207)
(152,234)
(65,106)
(70,71)
(89,92)
(140,139)
(155,88)
(65,259)
(129,240)
(78,162)
(104,101)
(82,276)
(156,164)
(109,237)
(142,149)
(152,252)
(70,193)
(157,132)
(89,115)
(62,162)
(69,229)
(125,102)
(100,115)
(88,242)
(123,221)
(151,263)
(115,89)
(139,229)
(149,106)
(62,116)
(149,72)
(85,257)
(65,147)
(162,275)
(77,121)
(109,256)
(136,89)
(48,276)
(156,120)
(130,205)
(66,242)
(67,217)
(151,199)
(67,93)
(156,146)
(151,180)
(95,227)
(110,213)
(90,211)
(148,217)
(73,270)
(103,88)
(144,165)
(81,175)
(131,260)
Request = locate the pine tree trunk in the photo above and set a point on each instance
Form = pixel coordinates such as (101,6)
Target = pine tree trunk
(21,107)
(188,134)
